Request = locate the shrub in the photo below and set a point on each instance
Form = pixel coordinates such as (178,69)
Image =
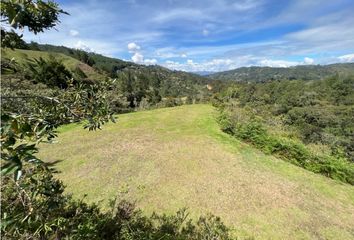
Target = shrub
(51,72)
(250,129)
(79,74)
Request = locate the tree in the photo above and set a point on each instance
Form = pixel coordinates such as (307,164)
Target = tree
(33,46)
(12,40)
(37,16)
(82,56)
(51,72)
(22,132)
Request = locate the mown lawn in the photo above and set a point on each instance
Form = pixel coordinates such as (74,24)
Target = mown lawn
(170,158)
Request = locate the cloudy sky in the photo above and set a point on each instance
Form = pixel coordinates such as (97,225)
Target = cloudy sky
(209,35)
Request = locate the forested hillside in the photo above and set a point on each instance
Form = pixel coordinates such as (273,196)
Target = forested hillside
(135,85)
(309,123)
(264,74)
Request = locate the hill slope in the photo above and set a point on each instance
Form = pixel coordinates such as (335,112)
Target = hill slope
(260,74)
(175,157)
(136,81)
(173,83)
(23,56)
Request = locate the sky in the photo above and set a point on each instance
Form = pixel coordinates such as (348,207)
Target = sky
(208,35)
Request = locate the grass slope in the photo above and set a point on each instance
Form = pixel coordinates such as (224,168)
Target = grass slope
(23,56)
(175,157)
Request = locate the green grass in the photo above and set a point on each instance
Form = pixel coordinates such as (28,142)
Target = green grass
(23,56)
(169,158)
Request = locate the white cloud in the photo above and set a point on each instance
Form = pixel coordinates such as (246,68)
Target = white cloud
(347,58)
(180,13)
(138,58)
(308,61)
(212,65)
(277,63)
(152,61)
(81,45)
(171,62)
(224,64)
(73,33)
(246,5)
(205,32)
(170,52)
(133,47)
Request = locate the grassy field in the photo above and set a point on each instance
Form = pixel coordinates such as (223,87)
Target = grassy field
(170,158)
(22,57)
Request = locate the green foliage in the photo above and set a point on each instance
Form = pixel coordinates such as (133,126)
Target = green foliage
(52,73)
(22,132)
(314,112)
(138,81)
(171,102)
(25,57)
(267,74)
(79,74)
(33,46)
(12,40)
(153,83)
(8,66)
(320,112)
(83,57)
(37,16)
(252,130)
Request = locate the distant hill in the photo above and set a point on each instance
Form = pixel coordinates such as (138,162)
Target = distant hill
(24,56)
(135,81)
(262,74)
(99,61)
(204,73)
(174,83)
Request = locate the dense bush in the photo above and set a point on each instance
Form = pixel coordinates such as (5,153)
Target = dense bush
(319,112)
(53,73)
(247,127)
(12,40)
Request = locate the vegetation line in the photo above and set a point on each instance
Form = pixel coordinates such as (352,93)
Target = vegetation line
(298,123)
(288,150)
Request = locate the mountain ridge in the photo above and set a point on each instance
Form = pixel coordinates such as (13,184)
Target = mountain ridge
(303,72)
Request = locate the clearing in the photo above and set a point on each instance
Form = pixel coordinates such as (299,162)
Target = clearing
(170,158)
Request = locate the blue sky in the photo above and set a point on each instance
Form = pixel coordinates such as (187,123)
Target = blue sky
(209,35)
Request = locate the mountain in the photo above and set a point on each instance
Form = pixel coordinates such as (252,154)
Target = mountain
(204,73)
(174,83)
(135,83)
(262,74)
